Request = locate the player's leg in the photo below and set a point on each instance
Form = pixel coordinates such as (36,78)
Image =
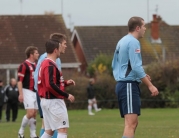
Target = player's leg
(31,110)
(46,119)
(46,134)
(42,130)
(55,134)
(90,103)
(59,117)
(131,109)
(131,121)
(95,105)
(62,133)
(25,119)
(28,119)
(32,125)
(33,119)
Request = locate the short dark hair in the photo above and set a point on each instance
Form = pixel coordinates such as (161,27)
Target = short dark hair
(58,37)
(30,50)
(51,45)
(134,22)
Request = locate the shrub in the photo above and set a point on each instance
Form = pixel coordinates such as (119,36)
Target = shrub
(165,76)
(104,88)
(79,91)
(105,91)
(100,65)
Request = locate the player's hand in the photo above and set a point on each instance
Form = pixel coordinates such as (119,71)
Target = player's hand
(71,98)
(153,90)
(70,82)
(21,98)
(148,77)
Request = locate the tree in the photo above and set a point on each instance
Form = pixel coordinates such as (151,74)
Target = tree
(101,64)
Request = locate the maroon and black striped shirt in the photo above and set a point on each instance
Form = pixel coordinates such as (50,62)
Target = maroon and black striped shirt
(50,81)
(26,74)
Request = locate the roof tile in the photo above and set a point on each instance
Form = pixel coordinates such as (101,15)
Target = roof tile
(18,32)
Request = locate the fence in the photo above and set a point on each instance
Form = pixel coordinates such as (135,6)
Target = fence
(113,103)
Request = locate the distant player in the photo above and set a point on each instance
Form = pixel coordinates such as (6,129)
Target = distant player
(92,102)
(27,94)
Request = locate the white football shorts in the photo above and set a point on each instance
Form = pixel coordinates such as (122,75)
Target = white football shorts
(54,114)
(90,101)
(30,100)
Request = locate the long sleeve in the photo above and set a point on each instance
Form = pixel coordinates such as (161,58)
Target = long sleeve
(42,57)
(50,73)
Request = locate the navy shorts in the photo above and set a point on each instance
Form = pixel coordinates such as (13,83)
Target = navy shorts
(128,94)
(39,106)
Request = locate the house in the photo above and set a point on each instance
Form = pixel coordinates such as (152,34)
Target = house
(160,42)
(89,41)
(19,31)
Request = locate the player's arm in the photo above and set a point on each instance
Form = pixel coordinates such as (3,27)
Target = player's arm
(69,82)
(42,57)
(50,80)
(115,64)
(151,87)
(136,64)
(19,85)
(135,59)
(21,74)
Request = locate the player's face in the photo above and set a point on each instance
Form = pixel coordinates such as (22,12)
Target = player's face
(36,55)
(142,30)
(63,46)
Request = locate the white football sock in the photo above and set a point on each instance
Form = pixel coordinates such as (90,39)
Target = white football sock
(24,123)
(45,135)
(32,125)
(62,135)
(95,107)
(89,108)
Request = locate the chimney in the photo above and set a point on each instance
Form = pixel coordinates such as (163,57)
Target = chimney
(155,28)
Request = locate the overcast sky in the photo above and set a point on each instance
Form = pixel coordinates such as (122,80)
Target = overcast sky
(95,12)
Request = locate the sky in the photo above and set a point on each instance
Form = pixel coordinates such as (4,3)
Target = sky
(95,12)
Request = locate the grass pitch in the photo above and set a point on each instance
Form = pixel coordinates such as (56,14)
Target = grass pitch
(153,123)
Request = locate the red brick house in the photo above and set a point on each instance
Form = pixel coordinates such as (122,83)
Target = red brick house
(160,42)
(19,31)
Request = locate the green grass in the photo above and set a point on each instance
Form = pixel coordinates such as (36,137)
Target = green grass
(153,123)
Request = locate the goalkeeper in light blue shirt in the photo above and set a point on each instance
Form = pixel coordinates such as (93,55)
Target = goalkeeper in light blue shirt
(128,72)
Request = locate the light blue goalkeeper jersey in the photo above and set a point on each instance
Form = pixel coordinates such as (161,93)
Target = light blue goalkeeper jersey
(127,61)
(42,57)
